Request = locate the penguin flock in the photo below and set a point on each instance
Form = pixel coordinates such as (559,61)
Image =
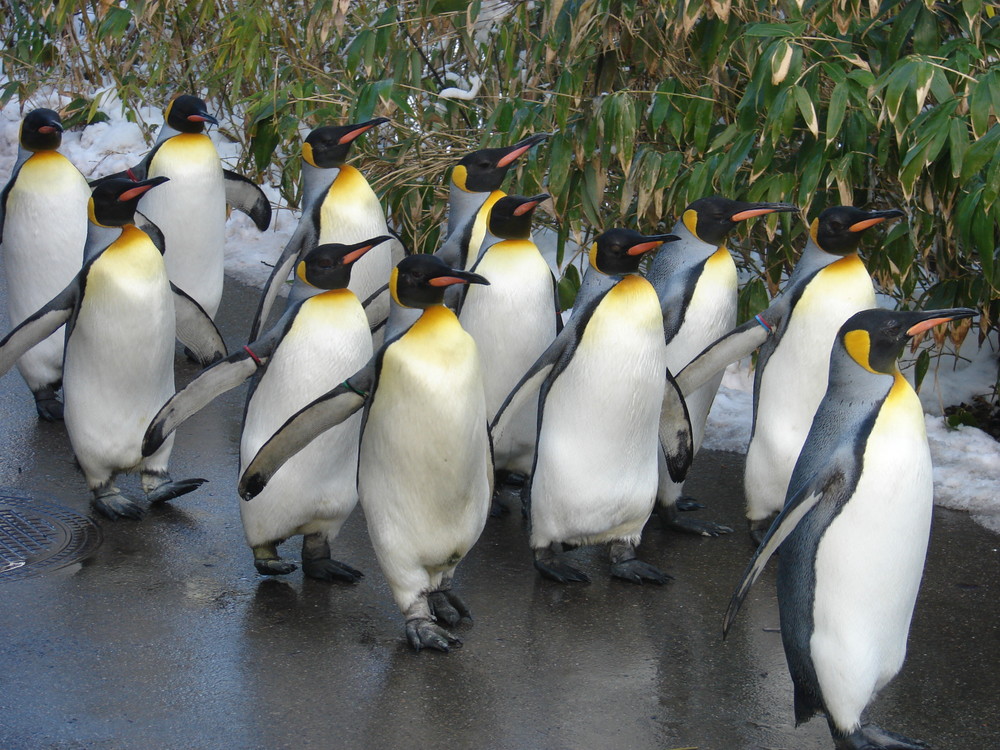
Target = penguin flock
(417,384)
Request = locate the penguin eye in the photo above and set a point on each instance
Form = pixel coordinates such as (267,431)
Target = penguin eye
(325,263)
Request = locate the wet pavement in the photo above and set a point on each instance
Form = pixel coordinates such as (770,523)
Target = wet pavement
(166,637)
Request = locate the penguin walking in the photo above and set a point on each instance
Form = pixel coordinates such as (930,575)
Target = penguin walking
(828,285)
(320,341)
(424,467)
(123,315)
(338,206)
(695,279)
(604,385)
(513,321)
(190,209)
(854,529)
(474,189)
(43,230)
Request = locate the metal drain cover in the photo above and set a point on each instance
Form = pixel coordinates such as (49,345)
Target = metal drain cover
(36,536)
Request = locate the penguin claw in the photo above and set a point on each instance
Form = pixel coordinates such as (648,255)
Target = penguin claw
(172,489)
(559,571)
(671,519)
(422,633)
(114,506)
(272,567)
(447,607)
(637,571)
(327,569)
(687,503)
(49,409)
(872,737)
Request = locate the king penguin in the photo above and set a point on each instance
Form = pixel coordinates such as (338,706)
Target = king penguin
(828,285)
(43,229)
(122,316)
(854,529)
(425,472)
(475,187)
(190,210)
(320,341)
(604,385)
(513,321)
(695,279)
(338,206)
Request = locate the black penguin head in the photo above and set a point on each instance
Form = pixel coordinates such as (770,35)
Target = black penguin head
(113,201)
(619,251)
(874,339)
(188,114)
(510,217)
(41,130)
(329,266)
(838,229)
(483,171)
(420,280)
(711,219)
(328,146)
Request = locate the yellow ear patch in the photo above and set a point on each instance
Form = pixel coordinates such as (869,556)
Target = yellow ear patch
(300,271)
(459,175)
(690,219)
(593,257)
(814,230)
(90,211)
(393,280)
(858,344)
(307,154)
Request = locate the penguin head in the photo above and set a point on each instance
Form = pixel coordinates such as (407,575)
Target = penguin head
(188,114)
(874,339)
(619,251)
(510,217)
(113,201)
(420,280)
(483,171)
(838,229)
(711,219)
(327,147)
(329,266)
(41,130)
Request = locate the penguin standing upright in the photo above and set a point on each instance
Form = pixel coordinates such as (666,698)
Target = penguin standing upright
(338,206)
(122,320)
(43,229)
(190,210)
(695,279)
(604,385)
(475,187)
(424,468)
(513,321)
(854,529)
(319,342)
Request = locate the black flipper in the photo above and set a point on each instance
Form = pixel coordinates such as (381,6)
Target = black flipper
(303,240)
(721,353)
(152,231)
(298,431)
(246,196)
(40,325)
(676,440)
(196,330)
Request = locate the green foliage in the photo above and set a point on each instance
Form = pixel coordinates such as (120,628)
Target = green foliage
(652,105)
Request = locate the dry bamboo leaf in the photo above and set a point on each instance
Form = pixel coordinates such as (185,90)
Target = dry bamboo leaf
(340,9)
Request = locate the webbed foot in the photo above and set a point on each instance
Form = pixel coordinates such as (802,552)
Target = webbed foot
(553,566)
(170,489)
(758,528)
(671,519)
(330,570)
(423,633)
(625,565)
(112,504)
(871,737)
(447,607)
(49,408)
(272,567)
(687,503)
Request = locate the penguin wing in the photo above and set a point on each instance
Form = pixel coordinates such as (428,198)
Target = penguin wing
(136,174)
(223,376)
(829,486)
(301,428)
(246,196)
(721,353)
(304,238)
(384,289)
(152,231)
(196,330)
(3,197)
(40,325)
(676,440)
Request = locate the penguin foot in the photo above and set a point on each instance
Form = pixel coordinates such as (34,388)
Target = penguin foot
(871,737)
(447,607)
(422,633)
(554,567)
(49,408)
(498,509)
(758,528)
(327,569)
(687,503)
(637,571)
(671,519)
(171,489)
(112,504)
(273,567)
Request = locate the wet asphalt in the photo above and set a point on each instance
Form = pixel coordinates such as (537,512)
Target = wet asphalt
(166,637)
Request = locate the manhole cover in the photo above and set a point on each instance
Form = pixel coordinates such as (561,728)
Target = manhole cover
(36,536)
